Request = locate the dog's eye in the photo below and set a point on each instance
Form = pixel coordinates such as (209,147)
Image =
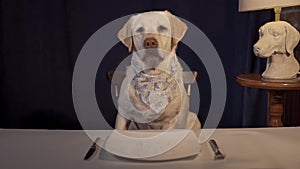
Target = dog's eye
(162,28)
(275,34)
(140,30)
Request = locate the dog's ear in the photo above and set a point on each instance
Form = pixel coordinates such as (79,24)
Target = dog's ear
(178,28)
(125,34)
(291,39)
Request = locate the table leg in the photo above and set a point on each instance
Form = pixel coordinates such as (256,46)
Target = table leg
(275,108)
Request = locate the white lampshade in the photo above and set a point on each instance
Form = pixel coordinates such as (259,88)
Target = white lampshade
(253,5)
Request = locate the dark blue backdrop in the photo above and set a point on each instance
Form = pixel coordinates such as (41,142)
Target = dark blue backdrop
(40,41)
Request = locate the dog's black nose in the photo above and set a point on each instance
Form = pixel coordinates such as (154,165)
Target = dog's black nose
(150,43)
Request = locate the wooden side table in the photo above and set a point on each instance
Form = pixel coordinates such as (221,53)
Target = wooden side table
(276,90)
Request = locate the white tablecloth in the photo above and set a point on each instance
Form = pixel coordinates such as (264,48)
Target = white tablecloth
(59,149)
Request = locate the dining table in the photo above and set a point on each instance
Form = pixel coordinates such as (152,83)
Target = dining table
(244,148)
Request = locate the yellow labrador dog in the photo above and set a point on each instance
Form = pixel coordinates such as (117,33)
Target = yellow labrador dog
(277,42)
(152,95)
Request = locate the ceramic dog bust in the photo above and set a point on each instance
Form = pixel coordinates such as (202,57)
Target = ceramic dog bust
(277,41)
(152,94)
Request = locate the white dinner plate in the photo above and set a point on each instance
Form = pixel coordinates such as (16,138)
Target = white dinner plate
(153,145)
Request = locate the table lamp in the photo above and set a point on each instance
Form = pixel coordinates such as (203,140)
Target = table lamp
(254,5)
(277,40)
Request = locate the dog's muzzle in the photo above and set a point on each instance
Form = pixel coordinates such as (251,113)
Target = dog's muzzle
(256,49)
(152,56)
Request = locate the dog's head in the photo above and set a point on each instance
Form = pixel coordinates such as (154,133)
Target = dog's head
(276,37)
(152,35)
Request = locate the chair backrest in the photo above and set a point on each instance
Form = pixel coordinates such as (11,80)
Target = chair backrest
(116,78)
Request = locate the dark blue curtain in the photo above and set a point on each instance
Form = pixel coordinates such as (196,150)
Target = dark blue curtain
(40,41)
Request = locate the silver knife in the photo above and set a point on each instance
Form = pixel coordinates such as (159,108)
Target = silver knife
(92,149)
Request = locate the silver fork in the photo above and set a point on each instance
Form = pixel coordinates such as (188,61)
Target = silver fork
(218,155)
